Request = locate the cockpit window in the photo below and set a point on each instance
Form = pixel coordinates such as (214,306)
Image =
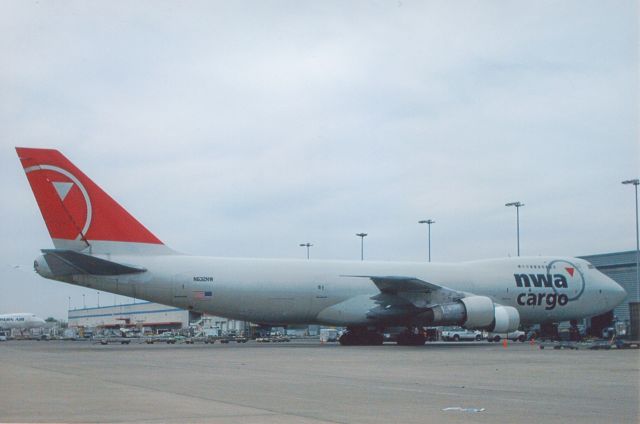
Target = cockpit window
(590,266)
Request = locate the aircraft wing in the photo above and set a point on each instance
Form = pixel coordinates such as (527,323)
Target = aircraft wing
(401,297)
(394,284)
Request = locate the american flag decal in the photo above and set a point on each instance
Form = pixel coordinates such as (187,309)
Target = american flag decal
(202,295)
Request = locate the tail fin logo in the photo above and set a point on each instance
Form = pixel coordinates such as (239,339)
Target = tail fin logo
(62,189)
(77,212)
(76,203)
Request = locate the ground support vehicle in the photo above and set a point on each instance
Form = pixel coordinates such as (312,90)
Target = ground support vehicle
(108,340)
(516,336)
(229,339)
(457,334)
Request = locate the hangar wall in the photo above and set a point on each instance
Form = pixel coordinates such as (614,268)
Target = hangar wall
(620,267)
(146,314)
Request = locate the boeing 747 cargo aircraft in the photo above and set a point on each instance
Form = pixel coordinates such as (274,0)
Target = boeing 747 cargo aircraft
(98,244)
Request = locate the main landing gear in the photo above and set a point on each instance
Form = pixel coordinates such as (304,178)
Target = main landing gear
(358,336)
(361,336)
(411,337)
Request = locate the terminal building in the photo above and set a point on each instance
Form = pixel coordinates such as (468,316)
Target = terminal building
(622,268)
(151,316)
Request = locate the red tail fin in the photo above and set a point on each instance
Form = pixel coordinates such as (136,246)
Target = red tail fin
(78,213)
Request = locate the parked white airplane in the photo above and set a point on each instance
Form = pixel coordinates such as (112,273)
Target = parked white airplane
(23,321)
(100,245)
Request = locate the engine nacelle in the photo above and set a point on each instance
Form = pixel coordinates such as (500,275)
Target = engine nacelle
(473,312)
(480,312)
(507,319)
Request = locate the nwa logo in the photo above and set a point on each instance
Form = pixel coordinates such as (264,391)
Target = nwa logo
(558,281)
(549,299)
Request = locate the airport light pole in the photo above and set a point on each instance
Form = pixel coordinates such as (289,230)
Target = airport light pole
(307,245)
(428,222)
(84,304)
(98,299)
(636,182)
(69,302)
(362,236)
(518,205)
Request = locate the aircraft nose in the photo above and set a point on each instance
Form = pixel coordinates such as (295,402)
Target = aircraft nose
(615,291)
(619,293)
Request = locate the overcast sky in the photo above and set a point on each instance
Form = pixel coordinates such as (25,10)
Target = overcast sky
(244,128)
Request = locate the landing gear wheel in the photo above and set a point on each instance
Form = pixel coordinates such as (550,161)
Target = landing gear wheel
(347,339)
(410,339)
(361,337)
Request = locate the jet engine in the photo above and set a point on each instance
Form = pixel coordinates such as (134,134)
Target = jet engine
(474,312)
(507,319)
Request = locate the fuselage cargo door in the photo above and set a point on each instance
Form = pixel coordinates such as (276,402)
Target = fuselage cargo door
(181,283)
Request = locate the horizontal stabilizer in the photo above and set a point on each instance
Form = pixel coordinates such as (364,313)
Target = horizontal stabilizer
(68,262)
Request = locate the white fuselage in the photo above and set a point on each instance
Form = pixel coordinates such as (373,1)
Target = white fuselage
(281,291)
(21,321)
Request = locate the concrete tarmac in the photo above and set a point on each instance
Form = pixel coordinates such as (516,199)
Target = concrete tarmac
(306,382)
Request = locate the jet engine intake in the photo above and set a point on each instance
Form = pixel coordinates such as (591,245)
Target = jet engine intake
(480,312)
(507,319)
